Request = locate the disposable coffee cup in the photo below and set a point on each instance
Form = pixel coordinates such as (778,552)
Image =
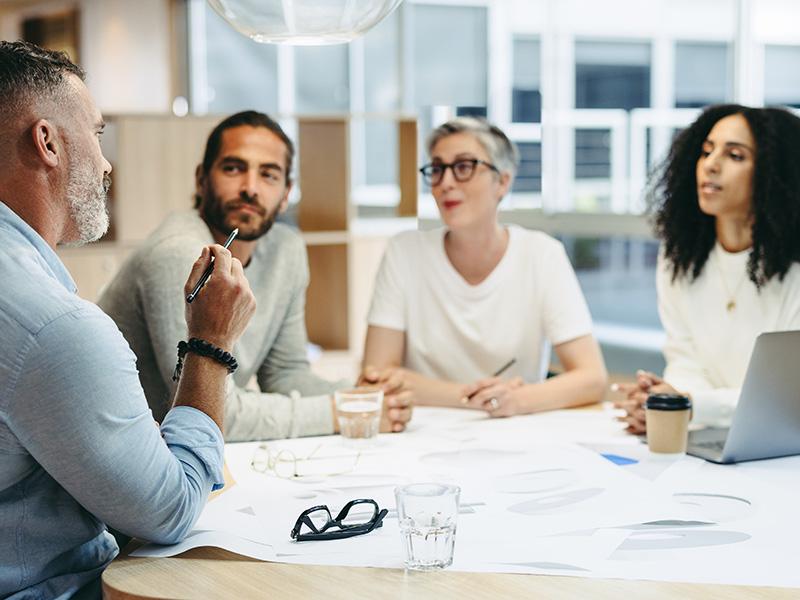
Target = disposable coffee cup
(667,417)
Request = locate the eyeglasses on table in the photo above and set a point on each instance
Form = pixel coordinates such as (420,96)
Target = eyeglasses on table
(287,465)
(357,517)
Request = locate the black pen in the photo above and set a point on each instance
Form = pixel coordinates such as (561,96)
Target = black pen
(207,273)
(504,368)
(497,373)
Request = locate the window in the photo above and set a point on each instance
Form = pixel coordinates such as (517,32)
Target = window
(592,154)
(616,277)
(703,74)
(609,265)
(450,55)
(782,75)
(529,174)
(608,75)
(240,74)
(322,79)
(381,95)
(526,99)
(612,75)
(471,111)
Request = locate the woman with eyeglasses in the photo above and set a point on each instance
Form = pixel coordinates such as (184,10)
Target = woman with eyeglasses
(454,306)
(727,212)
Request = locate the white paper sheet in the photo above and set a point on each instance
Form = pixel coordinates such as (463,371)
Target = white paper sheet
(532,502)
(740,530)
(216,539)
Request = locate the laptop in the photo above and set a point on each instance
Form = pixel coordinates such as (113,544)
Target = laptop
(766,423)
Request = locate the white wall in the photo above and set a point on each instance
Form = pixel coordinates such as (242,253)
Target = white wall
(124,45)
(776,21)
(126,53)
(711,19)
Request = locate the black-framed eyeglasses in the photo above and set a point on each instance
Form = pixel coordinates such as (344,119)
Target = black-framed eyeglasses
(357,517)
(463,170)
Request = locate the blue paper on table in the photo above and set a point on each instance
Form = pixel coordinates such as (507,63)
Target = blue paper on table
(619,460)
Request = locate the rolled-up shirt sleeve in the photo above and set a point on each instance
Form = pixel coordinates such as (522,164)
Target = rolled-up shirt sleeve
(80,412)
(252,415)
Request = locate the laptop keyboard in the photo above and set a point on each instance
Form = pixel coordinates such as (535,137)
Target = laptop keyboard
(711,445)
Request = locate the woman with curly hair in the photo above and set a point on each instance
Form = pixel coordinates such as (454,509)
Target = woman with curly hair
(727,211)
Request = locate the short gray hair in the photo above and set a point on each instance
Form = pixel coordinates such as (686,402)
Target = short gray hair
(503,153)
(29,73)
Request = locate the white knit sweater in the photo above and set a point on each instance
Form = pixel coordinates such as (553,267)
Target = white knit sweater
(708,346)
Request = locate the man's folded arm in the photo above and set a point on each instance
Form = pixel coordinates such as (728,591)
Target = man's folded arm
(83,416)
(253,415)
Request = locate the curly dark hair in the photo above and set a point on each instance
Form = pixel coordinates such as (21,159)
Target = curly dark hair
(688,234)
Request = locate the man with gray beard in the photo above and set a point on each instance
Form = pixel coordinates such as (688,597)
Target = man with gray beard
(244,183)
(78,449)
(87,202)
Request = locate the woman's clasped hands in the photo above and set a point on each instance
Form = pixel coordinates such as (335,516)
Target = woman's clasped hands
(635,397)
(495,395)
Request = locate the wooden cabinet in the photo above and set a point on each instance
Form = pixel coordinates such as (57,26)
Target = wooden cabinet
(154,160)
(154,169)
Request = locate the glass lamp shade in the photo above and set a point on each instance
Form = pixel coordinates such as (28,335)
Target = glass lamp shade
(303,22)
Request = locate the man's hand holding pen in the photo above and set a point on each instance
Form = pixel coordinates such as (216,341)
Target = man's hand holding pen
(199,282)
(222,311)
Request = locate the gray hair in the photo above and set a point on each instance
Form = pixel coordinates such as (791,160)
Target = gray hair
(503,153)
(29,73)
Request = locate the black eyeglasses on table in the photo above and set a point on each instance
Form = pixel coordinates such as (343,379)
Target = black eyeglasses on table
(356,518)
(463,170)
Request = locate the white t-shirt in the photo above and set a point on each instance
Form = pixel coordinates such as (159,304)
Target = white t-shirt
(708,347)
(462,332)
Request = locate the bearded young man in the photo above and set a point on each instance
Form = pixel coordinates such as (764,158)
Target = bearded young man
(243,182)
(78,450)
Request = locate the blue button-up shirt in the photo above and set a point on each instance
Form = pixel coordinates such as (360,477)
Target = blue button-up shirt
(78,445)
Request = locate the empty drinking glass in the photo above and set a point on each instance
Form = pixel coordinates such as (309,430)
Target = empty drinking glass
(427,513)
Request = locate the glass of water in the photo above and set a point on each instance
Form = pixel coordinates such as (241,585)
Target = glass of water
(427,513)
(358,411)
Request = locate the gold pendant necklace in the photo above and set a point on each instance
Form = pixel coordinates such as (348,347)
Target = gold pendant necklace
(730,306)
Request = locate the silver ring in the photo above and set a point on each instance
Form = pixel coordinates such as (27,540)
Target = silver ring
(494,403)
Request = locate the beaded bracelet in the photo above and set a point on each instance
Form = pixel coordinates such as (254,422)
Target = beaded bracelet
(203,348)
